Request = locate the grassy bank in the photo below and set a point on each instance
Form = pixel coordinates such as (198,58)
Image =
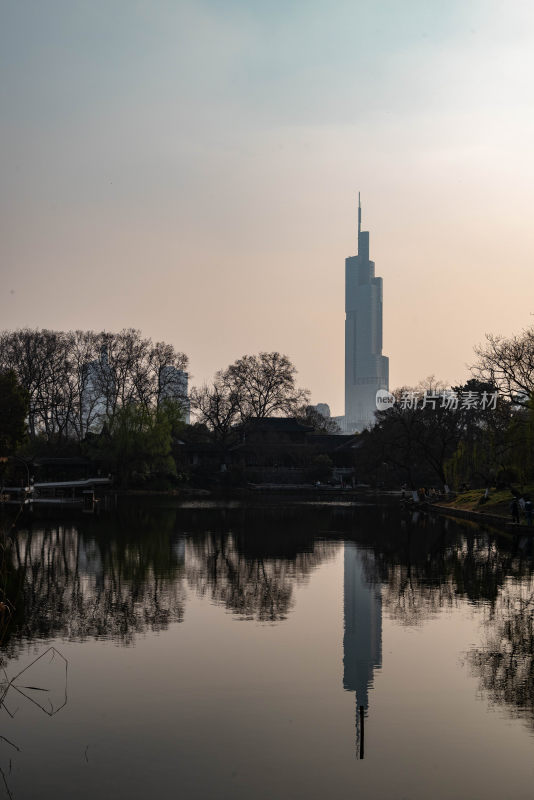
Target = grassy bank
(498,502)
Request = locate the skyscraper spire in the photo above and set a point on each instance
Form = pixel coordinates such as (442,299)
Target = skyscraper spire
(359,221)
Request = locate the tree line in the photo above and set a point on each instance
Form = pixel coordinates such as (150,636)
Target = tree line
(70,376)
(481,432)
(254,386)
(123,399)
(112,389)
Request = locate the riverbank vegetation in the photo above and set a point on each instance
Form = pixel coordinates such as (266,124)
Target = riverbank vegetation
(496,502)
(477,434)
(117,401)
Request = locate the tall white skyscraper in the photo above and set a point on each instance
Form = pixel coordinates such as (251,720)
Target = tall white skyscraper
(366,369)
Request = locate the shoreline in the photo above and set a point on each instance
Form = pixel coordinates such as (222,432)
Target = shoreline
(482,517)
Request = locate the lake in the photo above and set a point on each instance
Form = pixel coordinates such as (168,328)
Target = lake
(298,651)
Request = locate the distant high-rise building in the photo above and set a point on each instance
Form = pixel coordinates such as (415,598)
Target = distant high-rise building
(173,385)
(324,409)
(98,388)
(366,369)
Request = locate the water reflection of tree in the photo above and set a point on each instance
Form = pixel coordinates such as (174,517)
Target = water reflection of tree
(428,564)
(504,663)
(120,575)
(65,584)
(251,586)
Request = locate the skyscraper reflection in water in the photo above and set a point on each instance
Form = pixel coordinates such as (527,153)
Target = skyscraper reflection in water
(362,638)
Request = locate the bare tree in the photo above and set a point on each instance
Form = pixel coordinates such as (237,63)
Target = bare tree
(216,406)
(21,352)
(40,362)
(509,365)
(83,350)
(264,385)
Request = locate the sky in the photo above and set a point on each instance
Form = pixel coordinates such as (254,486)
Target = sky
(191,169)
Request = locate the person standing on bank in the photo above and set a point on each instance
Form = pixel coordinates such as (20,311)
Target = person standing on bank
(514,508)
(528,511)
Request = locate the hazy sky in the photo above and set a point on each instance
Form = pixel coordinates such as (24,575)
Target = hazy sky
(191,169)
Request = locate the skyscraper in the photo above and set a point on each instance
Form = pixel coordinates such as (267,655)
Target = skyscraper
(366,369)
(173,385)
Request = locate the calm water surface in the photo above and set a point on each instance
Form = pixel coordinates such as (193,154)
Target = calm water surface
(305,652)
